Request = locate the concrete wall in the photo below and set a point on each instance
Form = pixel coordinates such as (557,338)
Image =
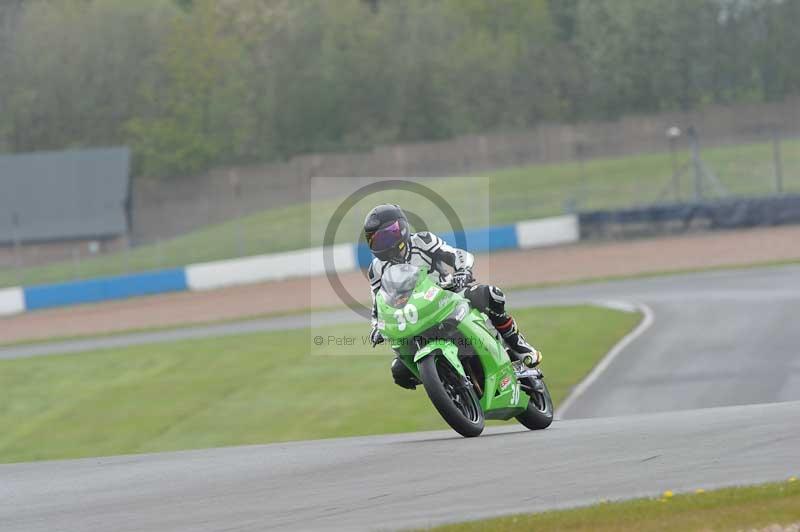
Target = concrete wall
(163,209)
(25,255)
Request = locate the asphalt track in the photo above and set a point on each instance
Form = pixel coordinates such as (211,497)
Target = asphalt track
(409,480)
(720,338)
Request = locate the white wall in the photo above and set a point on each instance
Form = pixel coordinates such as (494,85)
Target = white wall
(548,231)
(300,263)
(12,301)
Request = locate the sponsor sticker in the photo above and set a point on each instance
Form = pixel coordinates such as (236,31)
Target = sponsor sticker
(505,382)
(430,294)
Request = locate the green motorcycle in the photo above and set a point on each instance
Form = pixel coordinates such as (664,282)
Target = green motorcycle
(458,355)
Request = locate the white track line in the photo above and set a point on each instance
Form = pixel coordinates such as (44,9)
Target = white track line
(647,321)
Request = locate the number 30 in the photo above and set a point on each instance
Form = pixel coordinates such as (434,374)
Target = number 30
(407,314)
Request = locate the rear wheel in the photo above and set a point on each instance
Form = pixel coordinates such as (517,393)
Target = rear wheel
(455,401)
(539,413)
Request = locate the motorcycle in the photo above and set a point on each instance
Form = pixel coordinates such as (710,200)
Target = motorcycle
(457,355)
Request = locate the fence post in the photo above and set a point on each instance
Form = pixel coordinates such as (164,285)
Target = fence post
(239,228)
(19,261)
(698,170)
(580,149)
(777,161)
(673,134)
(159,254)
(76,263)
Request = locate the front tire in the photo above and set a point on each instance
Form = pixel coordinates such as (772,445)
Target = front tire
(539,413)
(456,403)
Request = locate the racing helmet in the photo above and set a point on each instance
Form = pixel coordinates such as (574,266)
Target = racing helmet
(387,232)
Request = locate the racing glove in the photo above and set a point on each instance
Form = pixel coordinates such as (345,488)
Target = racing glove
(375,336)
(461,279)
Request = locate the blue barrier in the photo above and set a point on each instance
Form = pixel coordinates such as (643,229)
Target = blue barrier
(363,255)
(485,239)
(476,241)
(104,288)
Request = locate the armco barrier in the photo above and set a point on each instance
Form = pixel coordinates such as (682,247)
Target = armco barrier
(105,288)
(300,263)
(731,213)
(476,241)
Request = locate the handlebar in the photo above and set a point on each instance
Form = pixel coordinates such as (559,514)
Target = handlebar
(446,282)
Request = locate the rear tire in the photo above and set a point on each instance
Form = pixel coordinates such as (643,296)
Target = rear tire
(539,413)
(458,406)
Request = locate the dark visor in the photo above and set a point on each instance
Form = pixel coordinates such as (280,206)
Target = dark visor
(386,238)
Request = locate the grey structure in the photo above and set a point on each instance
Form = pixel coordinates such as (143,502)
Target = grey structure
(51,196)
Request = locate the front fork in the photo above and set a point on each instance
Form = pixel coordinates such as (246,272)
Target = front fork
(532,375)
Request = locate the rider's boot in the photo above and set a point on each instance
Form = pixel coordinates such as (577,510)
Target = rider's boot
(402,375)
(516,342)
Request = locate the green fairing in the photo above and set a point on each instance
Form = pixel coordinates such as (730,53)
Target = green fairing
(432,310)
(448,349)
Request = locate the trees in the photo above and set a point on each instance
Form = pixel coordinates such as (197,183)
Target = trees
(194,83)
(72,70)
(195,114)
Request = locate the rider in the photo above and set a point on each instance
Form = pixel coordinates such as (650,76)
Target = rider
(389,237)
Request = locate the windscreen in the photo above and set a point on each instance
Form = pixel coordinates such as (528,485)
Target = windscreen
(397,283)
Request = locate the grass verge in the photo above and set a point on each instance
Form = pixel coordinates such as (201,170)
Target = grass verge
(743,508)
(504,197)
(254,388)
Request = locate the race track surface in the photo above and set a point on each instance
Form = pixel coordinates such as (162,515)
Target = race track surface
(720,338)
(408,480)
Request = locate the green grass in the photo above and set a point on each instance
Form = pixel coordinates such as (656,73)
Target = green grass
(503,197)
(246,389)
(742,508)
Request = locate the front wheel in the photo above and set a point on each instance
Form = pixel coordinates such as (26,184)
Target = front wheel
(454,400)
(539,413)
